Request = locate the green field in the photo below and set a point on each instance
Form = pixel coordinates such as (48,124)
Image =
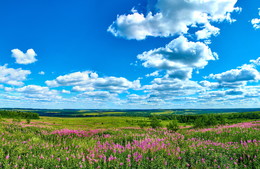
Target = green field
(115,142)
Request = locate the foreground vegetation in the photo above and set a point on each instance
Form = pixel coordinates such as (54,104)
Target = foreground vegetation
(120,142)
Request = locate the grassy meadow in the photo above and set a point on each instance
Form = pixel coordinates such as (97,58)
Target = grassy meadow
(119,142)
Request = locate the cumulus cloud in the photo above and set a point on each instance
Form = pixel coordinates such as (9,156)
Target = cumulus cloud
(98,96)
(169,89)
(81,89)
(65,91)
(82,81)
(12,76)
(209,85)
(155,73)
(24,58)
(207,32)
(38,93)
(41,73)
(174,18)
(182,74)
(245,73)
(256,21)
(179,57)
(256,62)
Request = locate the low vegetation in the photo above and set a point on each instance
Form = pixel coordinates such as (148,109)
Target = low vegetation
(210,141)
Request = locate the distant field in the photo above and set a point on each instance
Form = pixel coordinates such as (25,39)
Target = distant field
(129,113)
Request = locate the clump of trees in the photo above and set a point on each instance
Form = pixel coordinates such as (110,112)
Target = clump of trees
(173,126)
(204,120)
(18,114)
(155,122)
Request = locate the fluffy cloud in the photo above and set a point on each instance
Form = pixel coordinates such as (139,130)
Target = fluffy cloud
(82,81)
(179,57)
(24,58)
(65,91)
(256,62)
(182,74)
(245,73)
(98,96)
(38,93)
(174,18)
(156,73)
(207,32)
(41,73)
(13,76)
(169,89)
(256,21)
(209,85)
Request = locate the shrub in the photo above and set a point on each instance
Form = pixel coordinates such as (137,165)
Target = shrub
(142,124)
(173,126)
(155,122)
(28,121)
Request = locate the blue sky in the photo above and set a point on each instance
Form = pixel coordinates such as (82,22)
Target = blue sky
(129,54)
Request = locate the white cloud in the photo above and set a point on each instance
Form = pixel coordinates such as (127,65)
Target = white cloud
(41,73)
(245,73)
(182,74)
(82,81)
(170,89)
(98,96)
(209,85)
(256,21)
(155,73)
(12,76)
(24,58)
(65,91)
(179,57)
(174,18)
(81,89)
(256,62)
(39,93)
(8,89)
(207,32)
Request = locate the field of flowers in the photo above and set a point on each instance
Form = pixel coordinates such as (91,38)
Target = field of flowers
(43,145)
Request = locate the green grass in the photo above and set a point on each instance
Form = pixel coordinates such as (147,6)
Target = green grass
(92,122)
(163,113)
(121,144)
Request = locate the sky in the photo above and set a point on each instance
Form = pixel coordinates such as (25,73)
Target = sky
(138,54)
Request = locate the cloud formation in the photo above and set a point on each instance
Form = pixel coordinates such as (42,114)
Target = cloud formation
(237,77)
(38,93)
(83,81)
(256,21)
(174,18)
(12,76)
(24,58)
(179,57)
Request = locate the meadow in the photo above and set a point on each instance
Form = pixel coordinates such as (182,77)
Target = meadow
(119,142)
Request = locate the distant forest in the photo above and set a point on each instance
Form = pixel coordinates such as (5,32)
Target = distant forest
(126,112)
(18,114)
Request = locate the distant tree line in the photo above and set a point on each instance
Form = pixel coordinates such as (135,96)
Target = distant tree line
(18,114)
(218,117)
